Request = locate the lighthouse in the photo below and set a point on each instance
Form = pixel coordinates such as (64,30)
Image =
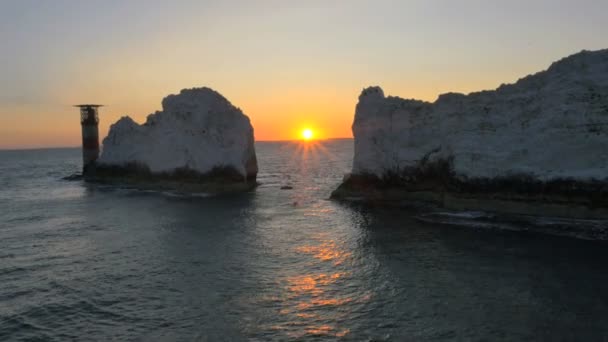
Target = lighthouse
(89,119)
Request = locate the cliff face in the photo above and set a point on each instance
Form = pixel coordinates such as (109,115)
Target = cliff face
(544,131)
(550,125)
(197,133)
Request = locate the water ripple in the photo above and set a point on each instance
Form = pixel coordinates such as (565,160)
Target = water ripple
(84,262)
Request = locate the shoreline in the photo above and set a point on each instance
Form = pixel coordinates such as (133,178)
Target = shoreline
(219,180)
(513,195)
(553,213)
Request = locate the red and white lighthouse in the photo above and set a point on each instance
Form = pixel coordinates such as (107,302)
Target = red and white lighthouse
(89,119)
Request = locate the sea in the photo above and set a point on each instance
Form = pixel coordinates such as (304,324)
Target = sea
(86,262)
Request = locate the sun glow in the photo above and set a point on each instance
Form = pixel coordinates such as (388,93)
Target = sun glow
(307,134)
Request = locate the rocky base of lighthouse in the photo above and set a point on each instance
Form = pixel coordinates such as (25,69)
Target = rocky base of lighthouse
(217,180)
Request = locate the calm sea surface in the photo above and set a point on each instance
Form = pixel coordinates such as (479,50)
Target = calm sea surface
(91,263)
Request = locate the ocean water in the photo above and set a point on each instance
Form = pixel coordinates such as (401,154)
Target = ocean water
(92,263)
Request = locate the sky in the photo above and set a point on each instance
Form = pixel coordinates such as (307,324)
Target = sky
(286,64)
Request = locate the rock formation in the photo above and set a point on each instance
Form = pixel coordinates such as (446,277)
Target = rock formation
(542,141)
(198,138)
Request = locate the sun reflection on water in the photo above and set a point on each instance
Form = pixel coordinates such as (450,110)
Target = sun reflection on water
(311,305)
(309,153)
(318,281)
(326,251)
(311,284)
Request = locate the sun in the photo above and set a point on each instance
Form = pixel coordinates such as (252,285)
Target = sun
(307,134)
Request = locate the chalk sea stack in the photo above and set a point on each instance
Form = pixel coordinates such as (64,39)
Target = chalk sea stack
(198,142)
(538,147)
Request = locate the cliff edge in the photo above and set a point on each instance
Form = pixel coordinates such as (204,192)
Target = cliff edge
(538,146)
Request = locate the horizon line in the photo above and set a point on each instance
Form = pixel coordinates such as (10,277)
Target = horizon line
(67,147)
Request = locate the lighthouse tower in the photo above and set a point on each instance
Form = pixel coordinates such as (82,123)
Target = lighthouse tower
(89,119)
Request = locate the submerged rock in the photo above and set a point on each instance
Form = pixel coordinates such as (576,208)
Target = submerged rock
(73,177)
(198,141)
(536,147)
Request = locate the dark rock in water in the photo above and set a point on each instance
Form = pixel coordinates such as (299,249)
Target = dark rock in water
(577,228)
(217,180)
(286,187)
(514,195)
(74,177)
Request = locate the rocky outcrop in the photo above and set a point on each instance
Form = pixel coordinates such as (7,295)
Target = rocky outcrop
(198,141)
(538,146)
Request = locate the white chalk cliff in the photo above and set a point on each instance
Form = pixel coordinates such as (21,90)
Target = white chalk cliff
(550,125)
(198,130)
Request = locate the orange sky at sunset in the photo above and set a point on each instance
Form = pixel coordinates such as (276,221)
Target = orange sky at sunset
(278,111)
(286,65)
